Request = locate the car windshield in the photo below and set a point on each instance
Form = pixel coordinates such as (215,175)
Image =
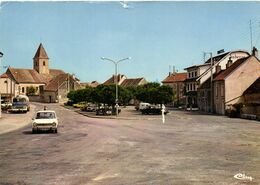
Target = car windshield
(45,115)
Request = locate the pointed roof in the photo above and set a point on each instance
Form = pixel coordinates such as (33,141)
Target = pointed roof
(175,77)
(26,75)
(133,82)
(222,75)
(41,53)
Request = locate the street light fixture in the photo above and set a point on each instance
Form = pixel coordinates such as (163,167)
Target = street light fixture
(1,55)
(116,63)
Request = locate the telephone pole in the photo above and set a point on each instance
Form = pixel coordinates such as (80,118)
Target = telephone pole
(251,36)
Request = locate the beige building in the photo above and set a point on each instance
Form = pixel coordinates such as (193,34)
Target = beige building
(204,82)
(177,82)
(230,84)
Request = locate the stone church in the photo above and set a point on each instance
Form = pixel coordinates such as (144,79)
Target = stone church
(50,85)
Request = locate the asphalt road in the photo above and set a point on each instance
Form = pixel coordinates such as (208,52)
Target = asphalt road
(187,149)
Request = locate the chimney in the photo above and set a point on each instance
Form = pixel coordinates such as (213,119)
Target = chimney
(218,69)
(255,52)
(173,70)
(229,63)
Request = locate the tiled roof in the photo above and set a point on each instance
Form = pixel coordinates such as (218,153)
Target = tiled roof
(41,53)
(56,72)
(26,75)
(32,76)
(254,88)
(92,84)
(58,81)
(177,77)
(132,82)
(222,75)
(112,79)
(4,75)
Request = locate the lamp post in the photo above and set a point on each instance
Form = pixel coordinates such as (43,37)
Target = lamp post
(1,55)
(116,63)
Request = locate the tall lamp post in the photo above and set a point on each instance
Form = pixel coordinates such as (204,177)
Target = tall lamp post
(116,63)
(1,55)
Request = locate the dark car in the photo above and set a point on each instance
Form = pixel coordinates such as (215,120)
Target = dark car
(153,110)
(69,103)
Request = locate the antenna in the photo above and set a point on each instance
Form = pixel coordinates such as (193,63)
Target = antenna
(250,26)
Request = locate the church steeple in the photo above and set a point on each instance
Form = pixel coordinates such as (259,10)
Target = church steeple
(41,61)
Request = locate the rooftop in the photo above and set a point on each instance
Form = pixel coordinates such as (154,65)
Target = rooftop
(176,77)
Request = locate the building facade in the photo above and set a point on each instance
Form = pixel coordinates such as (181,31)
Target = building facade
(231,83)
(177,82)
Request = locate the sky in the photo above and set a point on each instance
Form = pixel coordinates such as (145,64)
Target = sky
(155,35)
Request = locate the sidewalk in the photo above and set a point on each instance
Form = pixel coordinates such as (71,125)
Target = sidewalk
(10,122)
(127,113)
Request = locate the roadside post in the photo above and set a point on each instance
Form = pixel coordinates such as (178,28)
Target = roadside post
(163,111)
(1,55)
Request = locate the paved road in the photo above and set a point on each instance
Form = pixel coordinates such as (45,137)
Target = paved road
(188,149)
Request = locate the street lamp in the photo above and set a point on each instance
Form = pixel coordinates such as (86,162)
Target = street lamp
(1,55)
(116,63)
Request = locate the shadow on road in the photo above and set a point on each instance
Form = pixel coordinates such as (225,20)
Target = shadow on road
(29,132)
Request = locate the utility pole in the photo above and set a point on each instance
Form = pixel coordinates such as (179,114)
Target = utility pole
(251,36)
(211,80)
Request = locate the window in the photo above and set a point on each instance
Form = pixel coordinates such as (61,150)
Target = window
(43,63)
(222,90)
(22,89)
(195,73)
(192,74)
(216,92)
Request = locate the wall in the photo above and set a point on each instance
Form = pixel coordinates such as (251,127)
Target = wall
(240,80)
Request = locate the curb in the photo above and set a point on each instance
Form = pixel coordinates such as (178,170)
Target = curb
(109,117)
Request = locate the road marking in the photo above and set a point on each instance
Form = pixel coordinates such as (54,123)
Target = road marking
(105,176)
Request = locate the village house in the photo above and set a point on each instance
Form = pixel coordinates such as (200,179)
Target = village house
(199,74)
(20,81)
(230,84)
(177,82)
(251,101)
(123,81)
(191,83)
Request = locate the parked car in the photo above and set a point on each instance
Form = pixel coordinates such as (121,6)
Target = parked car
(45,120)
(89,108)
(20,107)
(69,103)
(6,105)
(154,110)
(143,105)
(79,105)
(107,111)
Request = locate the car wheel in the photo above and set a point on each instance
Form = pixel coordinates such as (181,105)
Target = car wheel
(55,131)
(33,131)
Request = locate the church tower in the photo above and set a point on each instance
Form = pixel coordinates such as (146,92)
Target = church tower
(41,61)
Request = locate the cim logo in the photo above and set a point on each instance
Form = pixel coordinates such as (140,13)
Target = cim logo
(241,176)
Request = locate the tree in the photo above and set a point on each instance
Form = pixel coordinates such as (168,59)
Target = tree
(154,93)
(30,91)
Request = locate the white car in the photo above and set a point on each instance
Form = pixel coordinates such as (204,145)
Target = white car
(45,120)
